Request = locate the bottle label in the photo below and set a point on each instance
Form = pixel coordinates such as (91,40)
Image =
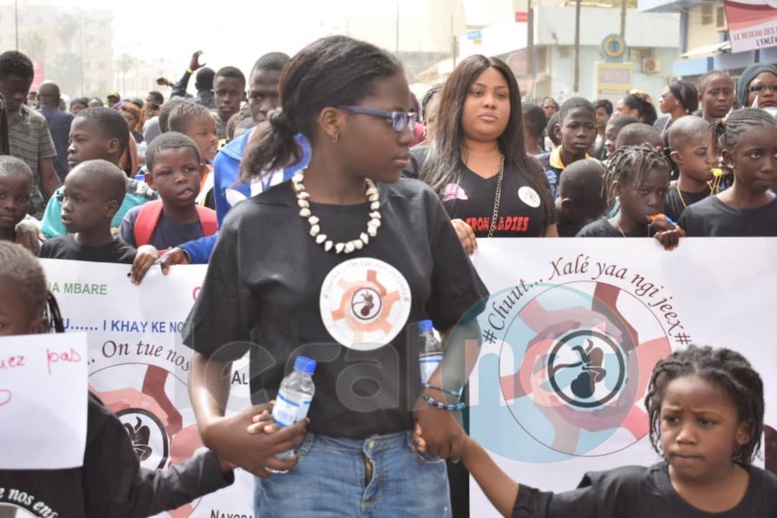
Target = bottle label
(290,407)
(429,364)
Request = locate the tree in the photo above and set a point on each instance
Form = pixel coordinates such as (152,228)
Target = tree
(34,46)
(66,71)
(68,27)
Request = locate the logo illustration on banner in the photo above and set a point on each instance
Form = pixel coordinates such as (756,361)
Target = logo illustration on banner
(365,303)
(580,380)
(148,436)
(574,362)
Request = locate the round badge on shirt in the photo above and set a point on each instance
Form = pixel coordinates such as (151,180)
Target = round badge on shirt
(365,303)
(529,196)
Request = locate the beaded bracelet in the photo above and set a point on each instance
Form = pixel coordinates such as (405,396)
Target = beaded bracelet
(443,390)
(443,406)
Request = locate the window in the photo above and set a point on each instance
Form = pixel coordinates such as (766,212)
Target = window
(720,18)
(707,10)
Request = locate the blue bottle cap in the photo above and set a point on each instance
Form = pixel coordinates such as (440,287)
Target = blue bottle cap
(425,326)
(305,364)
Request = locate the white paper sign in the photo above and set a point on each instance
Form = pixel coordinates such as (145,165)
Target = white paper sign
(139,368)
(43,401)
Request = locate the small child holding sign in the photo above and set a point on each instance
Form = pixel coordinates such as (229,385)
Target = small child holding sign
(111,482)
(706,411)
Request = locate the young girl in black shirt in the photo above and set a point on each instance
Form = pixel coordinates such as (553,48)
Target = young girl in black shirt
(639,177)
(747,142)
(339,263)
(706,410)
(111,481)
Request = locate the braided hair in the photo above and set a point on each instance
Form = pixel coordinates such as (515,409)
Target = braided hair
(723,368)
(19,266)
(428,96)
(630,165)
(727,132)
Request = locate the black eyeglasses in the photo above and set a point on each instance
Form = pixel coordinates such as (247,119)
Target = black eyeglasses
(400,121)
(760,88)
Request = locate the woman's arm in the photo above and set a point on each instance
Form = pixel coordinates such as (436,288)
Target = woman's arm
(228,436)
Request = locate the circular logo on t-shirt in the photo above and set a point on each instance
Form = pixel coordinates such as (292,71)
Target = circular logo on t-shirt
(529,196)
(365,303)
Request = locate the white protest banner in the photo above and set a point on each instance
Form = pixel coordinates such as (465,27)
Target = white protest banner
(43,401)
(139,368)
(573,329)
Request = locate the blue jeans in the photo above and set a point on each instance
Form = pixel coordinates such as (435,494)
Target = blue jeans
(381,476)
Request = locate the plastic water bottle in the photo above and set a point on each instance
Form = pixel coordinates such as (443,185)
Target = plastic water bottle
(431,350)
(295,395)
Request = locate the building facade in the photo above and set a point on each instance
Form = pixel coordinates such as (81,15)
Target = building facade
(703,34)
(72,47)
(652,41)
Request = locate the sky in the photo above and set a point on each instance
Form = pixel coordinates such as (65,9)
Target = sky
(150,29)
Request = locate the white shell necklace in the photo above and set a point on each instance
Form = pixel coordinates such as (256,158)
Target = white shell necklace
(315,229)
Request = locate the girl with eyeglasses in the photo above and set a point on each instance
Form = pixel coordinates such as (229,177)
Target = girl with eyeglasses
(339,264)
(478,163)
(757,86)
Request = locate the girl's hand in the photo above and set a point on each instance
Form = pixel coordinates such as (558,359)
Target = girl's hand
(146,257)
(443,437)
(669,233)
(466,235)
(418,441)
(28,234)
(227,437)
(264,422)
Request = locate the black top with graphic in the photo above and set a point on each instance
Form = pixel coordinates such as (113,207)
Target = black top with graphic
(640,492)
(65,247)
(603,228)
(263,289)
(111,481)
(712,217)
(674,204)
(521,211)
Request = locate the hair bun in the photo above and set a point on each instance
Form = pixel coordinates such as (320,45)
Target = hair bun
(281,121)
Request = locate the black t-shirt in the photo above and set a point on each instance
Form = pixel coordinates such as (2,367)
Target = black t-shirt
(265,285)
(674,204)
(65,247)
(640,492)
(111,481)
(521,209)
(712,217)
(603,228)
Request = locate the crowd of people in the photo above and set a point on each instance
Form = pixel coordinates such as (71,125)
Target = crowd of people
(277,180)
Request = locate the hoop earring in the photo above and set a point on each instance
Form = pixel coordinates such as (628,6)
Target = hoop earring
(335,138)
